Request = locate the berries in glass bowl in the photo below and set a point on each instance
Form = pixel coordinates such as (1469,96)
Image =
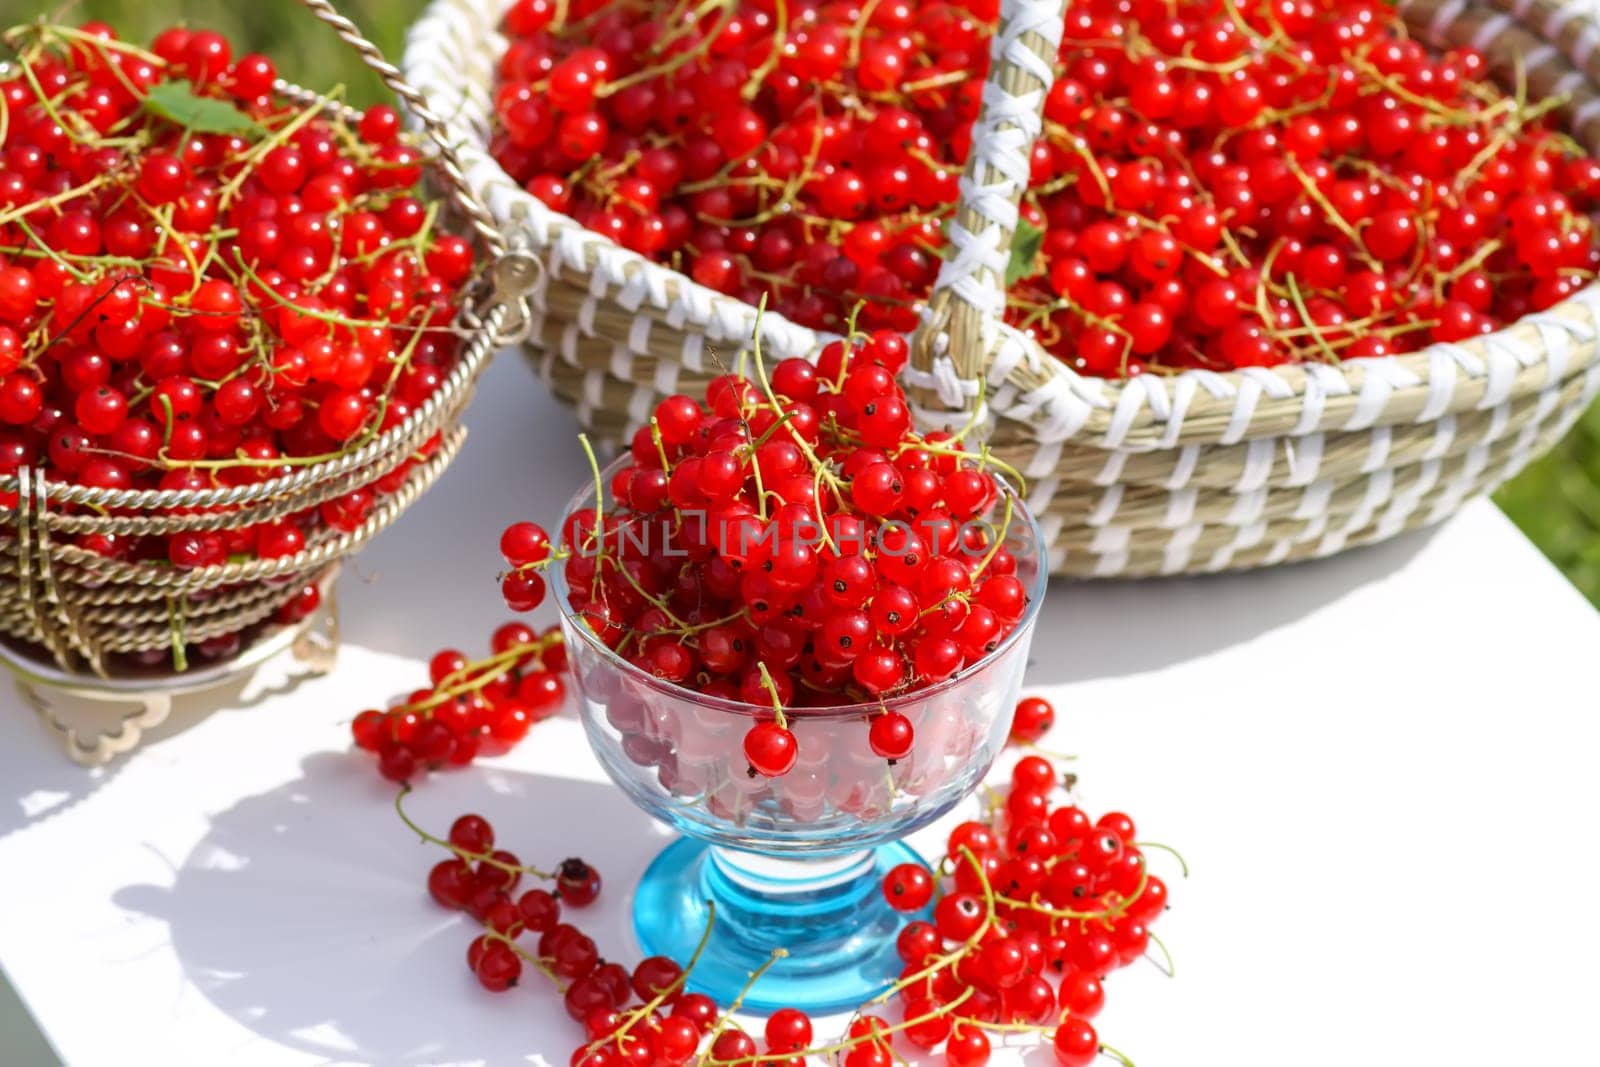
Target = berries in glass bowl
(797,629)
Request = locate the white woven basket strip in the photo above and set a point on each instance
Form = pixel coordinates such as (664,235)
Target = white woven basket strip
(1001,139)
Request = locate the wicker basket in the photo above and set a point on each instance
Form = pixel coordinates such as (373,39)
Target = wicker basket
(63,603)
(1193,472)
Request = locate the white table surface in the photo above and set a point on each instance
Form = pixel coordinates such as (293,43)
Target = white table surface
(1380,768)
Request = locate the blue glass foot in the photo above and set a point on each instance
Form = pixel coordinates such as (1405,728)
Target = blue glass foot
(829,913)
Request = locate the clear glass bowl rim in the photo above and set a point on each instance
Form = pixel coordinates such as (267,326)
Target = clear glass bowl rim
(1036,592)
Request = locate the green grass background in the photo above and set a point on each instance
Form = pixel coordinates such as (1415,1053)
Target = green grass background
(1556,501)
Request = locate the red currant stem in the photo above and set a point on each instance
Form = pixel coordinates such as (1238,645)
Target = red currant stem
(72,33)
(821,469)
(1305,316)
(48,105)
(1470,264)
(1207,260)
(180,656)
(935,81)
(645,1010)
(1496,144)
(761,489)
(1183,864)
(947,958)
(977,411)
(461,853)
(166,424)
(67,330)
(1336,220)
(880,1030)
(1035,905)
(1231,243)
(948,598)
(280,136)
(724,9)
(69,258)
(539,566)
(772,690)
(58,259)
(1115,911)
(1081,150)
(780,37)
(999,540)
(604,176)
(538,961)
(1012,1028)
(402,361)
(859,31)
(498,663)
(1107,1050)
(822,521)
(659,603)
(475,676)
(661,446)
(984,456)
(727,1019)
(599,488)
(1264,285)
(417,242)
(312,313)
(1052,754)
(679,22)
(1270,44)
(63,197)
(790,189)
(1171,969)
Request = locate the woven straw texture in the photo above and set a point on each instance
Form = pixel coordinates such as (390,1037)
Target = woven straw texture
(1192,472)
(82,608)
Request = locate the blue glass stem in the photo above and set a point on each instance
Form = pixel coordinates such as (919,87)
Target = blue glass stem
(828,913)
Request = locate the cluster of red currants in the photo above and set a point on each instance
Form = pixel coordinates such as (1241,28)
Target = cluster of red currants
(802,151)
(1287,180)
(793,544)
(469,706)
(1040,905)
(481,880)
(1217,186)
(204,284)
(1032,908)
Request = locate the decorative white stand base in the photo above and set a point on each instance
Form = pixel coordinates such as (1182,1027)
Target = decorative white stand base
(98,719)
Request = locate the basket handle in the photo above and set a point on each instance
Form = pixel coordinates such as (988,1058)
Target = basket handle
(449,163)
(971,287)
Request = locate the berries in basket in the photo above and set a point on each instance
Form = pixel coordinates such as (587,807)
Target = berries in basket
(1237,284)
(236,331)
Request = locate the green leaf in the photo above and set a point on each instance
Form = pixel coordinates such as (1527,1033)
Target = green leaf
(1025,245)
(176,101)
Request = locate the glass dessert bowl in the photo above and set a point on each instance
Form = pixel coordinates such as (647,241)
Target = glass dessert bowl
(794,861)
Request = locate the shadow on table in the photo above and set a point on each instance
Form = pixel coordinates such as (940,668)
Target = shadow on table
(303,914)
(1115,629)
(39,781)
